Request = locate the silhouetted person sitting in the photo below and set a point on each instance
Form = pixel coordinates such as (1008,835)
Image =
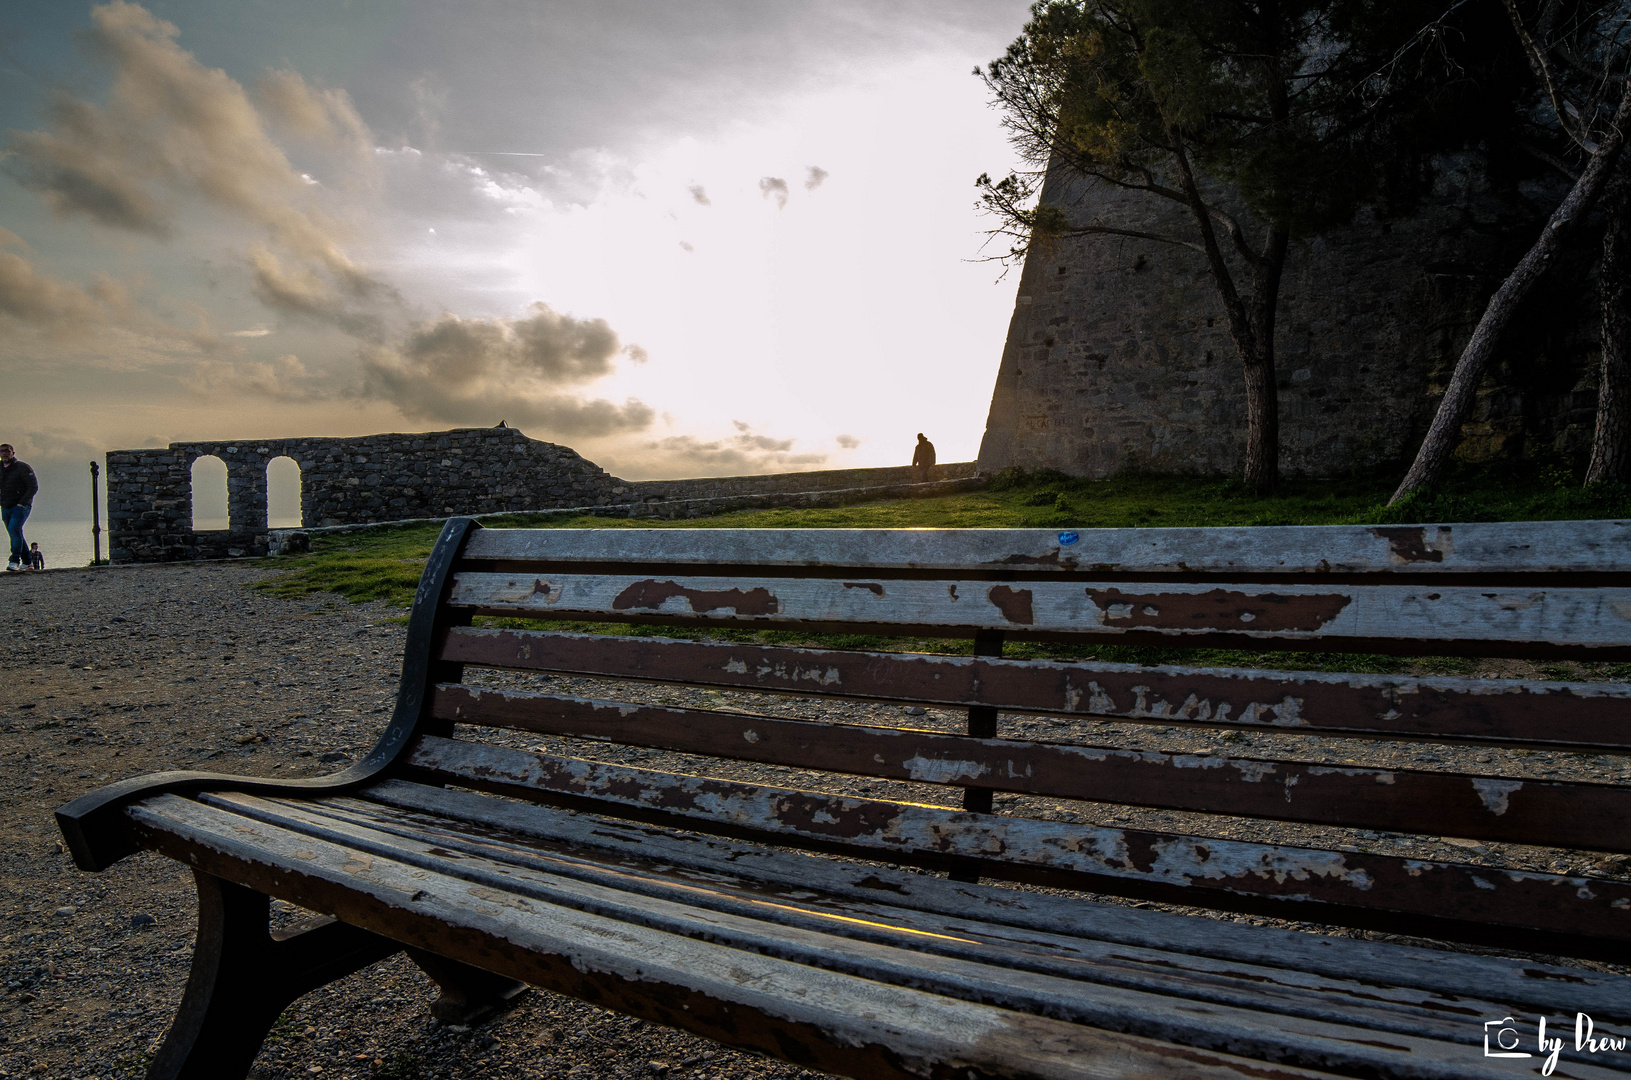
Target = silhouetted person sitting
(923,458)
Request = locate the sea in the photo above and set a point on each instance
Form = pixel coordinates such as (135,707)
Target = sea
(63,543)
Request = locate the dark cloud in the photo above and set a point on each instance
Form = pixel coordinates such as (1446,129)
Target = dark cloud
(743,453)
(476,371)
(699,195)
(816,175)
(848,442)
(774,185)
(73,170)
(747,440)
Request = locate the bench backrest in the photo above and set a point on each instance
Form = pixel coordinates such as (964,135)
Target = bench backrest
(1533,590)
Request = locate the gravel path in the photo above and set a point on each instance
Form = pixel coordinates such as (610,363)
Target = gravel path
(125,671)
(117,672)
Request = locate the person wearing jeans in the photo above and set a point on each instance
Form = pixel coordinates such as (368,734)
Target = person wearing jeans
(18,487)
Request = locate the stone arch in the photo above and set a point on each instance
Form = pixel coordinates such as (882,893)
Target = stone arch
(208,491)
(284,486)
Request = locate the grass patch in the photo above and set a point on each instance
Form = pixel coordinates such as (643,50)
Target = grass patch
(384,564)
(380,564)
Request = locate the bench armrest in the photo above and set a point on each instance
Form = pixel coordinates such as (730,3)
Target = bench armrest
(93,824)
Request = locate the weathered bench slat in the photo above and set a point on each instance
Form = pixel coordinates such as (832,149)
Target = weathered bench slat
(1529,620)
(732,995)
(972,910)
(1344,888)
(1558,715)
(1452,804)
(1043,976)
(1157,970)
(1500,547)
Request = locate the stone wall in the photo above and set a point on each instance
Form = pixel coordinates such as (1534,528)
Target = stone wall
(675,499)
(718,487)
(1118,356)
(388,478)
(342,481)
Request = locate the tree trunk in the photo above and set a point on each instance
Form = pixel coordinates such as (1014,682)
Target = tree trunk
(1262,424)
(1262,385)
(1434,455)
(1611,444)
(1253,340)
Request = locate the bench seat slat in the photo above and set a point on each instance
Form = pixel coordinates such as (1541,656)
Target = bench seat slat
(973,910)
(611,927)
(1544,812)
(1344,888)
(1494,547)
(747,918)
(732,995)
(1532,620)
(1593,716)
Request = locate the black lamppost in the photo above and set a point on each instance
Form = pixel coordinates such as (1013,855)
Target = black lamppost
(96,520)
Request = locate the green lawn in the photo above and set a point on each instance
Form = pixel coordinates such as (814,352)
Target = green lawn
(384,564)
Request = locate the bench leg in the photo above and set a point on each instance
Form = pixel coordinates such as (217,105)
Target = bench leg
(243,978)
(469,994)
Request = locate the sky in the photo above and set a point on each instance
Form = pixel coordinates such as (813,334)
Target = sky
(683,237)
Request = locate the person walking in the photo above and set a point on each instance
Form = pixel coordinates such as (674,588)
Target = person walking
(36,557)
(18,487)
(923,458)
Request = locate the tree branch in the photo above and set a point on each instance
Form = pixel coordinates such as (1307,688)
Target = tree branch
(1110,230)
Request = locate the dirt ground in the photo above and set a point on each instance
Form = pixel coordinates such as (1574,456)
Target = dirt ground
(116,672)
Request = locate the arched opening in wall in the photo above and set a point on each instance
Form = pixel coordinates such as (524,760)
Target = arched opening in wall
(209,494)
(283,493)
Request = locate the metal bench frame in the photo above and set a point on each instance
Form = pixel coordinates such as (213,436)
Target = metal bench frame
(718,924)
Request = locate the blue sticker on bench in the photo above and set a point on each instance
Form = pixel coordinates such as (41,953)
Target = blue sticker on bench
(1068,538)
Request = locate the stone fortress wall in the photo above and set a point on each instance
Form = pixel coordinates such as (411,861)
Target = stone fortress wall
(381,478)
(342,482)
(1118,355)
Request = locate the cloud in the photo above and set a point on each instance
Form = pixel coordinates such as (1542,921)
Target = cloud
(253,331)
(63,309)
(685,245)
(769,185)
(480,371)
(749,441)
(816,175)
(325,118)
(699,195)
(279,380)
(29,296)
(55,444)
(299,291)
(743,453)
(78,169)
(175,132)
(848,442)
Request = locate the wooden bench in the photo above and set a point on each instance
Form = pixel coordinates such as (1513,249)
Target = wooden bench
(783,883)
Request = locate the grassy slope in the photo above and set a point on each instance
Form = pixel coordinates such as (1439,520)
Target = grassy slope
(384,564)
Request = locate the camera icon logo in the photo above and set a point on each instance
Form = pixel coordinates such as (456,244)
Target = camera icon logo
(1501,1039)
